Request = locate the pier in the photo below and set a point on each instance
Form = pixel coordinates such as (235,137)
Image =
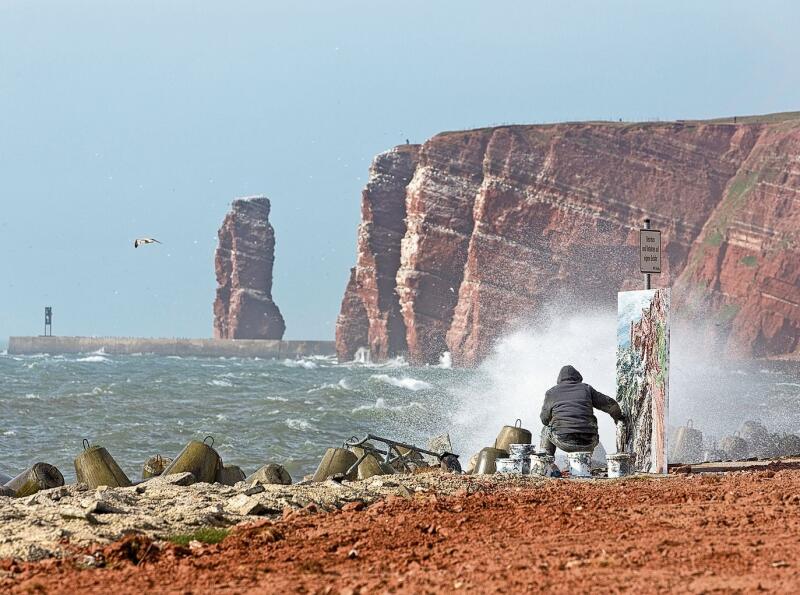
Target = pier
(165,346)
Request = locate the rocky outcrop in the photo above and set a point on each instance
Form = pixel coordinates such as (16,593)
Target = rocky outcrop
(244,308)
(503,223)
(370,315)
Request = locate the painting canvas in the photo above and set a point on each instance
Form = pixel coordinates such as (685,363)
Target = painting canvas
(643,376)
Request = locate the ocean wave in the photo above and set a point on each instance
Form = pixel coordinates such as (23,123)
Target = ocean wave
(405,382)
(10,433)
(794,384)
(380,403)
(215,382)
(300,363)
(343,384)
(276,398)
(93,359)
(298,424)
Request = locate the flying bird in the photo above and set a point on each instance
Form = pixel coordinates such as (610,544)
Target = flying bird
(143,241)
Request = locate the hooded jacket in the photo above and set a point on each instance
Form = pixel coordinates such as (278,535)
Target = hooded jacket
(568,406)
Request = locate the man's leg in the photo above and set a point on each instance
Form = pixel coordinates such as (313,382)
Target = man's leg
(546,444)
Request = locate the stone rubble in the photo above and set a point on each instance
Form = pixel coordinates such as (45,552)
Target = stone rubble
(53,523)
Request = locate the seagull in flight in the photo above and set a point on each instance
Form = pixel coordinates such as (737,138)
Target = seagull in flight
(143,241)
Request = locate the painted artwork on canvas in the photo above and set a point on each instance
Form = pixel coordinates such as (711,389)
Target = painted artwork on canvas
(643,376)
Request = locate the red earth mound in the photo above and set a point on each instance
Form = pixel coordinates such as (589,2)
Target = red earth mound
(728,533)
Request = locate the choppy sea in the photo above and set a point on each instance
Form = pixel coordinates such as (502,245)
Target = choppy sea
(290,411)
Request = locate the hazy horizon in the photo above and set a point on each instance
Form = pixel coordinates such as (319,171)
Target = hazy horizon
(149,119)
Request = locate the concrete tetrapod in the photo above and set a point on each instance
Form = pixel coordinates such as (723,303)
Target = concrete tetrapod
(40,476)
(336,462)
(230,475)
(154,466)
(96,467)
(271,474)
(515,434)
(199,459)
(370,465)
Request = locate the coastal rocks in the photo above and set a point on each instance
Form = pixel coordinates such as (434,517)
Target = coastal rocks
(243,261)
(502,223)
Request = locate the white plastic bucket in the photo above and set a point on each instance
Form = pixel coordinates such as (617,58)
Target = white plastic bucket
(541,463)
(509,465)
(619,465)
(580,464)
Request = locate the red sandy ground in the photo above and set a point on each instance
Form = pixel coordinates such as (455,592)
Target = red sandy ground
(732,533)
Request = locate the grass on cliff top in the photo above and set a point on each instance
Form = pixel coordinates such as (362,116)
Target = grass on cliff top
(204,535)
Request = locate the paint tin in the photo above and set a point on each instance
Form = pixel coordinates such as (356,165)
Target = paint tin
(509,465)
(521,451)
(619,465)
(580,463)
(541,463)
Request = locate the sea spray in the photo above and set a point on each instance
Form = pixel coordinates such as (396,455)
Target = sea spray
(512,381)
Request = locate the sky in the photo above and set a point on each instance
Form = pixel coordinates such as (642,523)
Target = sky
(122,120)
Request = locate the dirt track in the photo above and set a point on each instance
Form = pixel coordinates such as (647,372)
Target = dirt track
(732,533)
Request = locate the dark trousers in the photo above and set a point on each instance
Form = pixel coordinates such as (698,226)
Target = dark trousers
(568,442)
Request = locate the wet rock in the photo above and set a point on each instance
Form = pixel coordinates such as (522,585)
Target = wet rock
(8,492)
(271,474)
(255,488)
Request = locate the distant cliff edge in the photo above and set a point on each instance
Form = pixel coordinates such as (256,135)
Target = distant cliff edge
(243,261)
(468,232)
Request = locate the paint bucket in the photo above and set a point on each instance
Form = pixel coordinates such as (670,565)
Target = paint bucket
(154,466)
(541,464)
(509,435)
(486,460)
(521,451)
(335,463)
(96,467)
(580,463)
(505,465)
(619,465)
(199,459)
(40,476)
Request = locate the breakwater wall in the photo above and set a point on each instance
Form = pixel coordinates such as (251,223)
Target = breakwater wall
(180,347)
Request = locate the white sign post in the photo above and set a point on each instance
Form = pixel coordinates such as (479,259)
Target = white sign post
(649,252)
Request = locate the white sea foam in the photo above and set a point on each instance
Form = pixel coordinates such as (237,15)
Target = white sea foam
(94,359)
(298,424)
(10,433)
(405,382)
(276,398)
(300,363)
(217,382)
(445,361)
(380,403)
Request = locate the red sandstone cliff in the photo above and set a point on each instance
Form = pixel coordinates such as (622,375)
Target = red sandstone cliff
(501,223)
(244,308)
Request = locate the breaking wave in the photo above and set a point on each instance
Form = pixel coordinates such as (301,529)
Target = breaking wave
(404,382)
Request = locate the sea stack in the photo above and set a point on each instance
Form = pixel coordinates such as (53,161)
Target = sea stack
(243,261)
(471,232)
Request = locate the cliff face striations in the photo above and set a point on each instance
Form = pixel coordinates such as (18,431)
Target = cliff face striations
(502,223)
(244,308)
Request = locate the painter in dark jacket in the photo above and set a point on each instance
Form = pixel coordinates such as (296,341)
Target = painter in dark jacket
(568,413)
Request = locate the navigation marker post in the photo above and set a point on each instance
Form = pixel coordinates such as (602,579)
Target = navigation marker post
(649,252)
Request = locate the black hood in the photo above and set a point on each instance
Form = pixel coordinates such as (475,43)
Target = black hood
(569,374)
